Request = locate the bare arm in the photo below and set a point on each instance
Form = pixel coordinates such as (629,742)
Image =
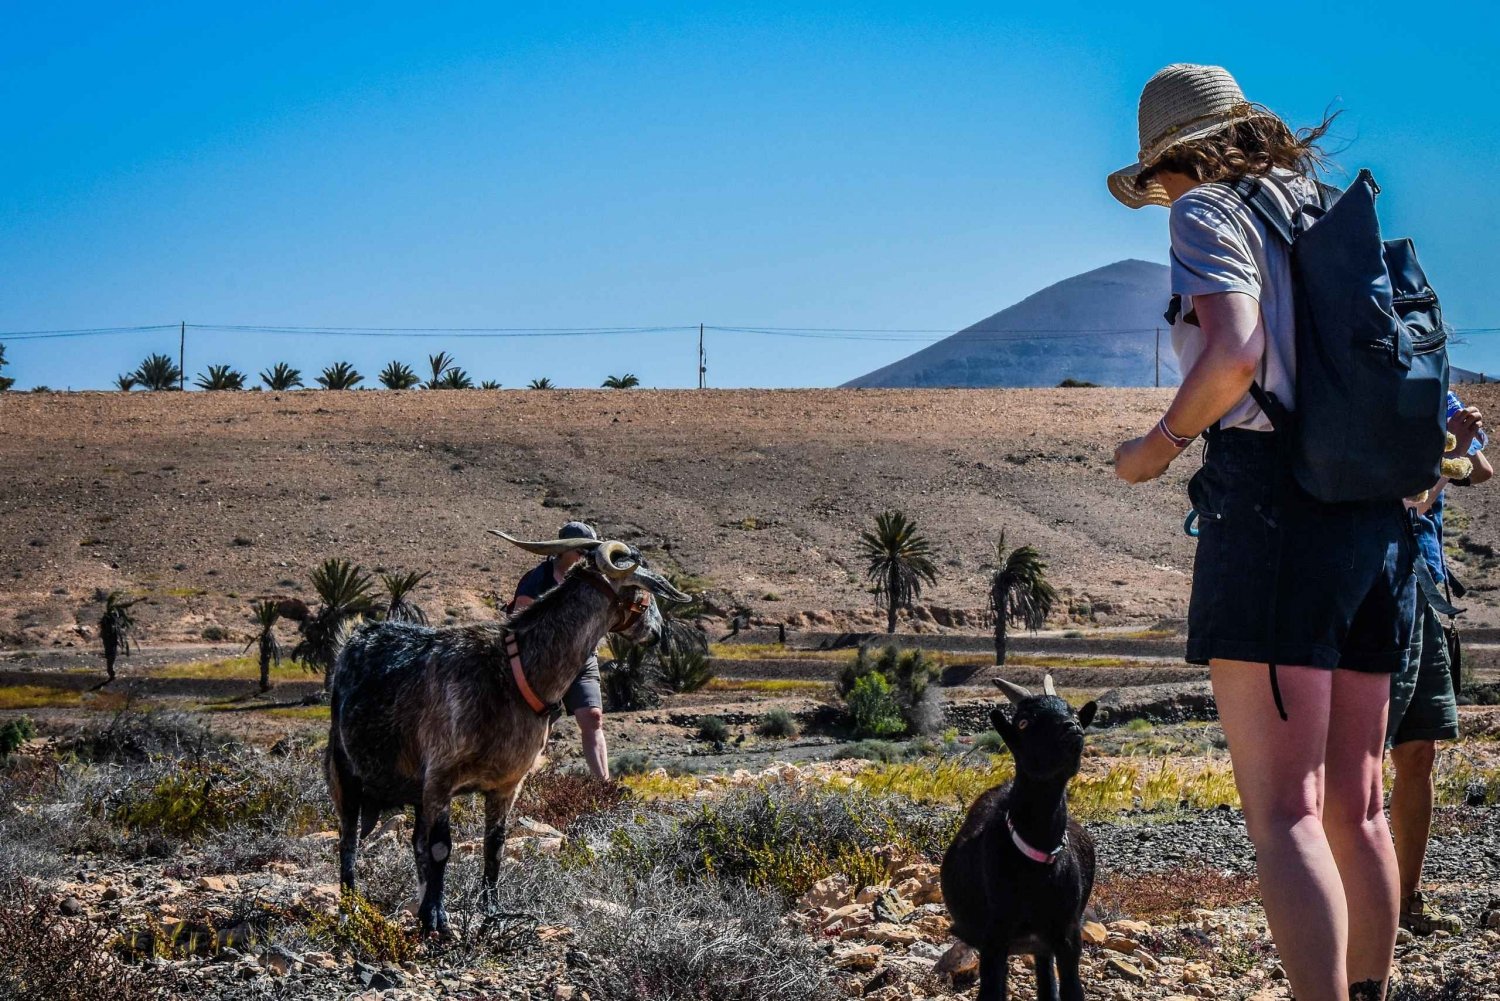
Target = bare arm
(1221,377)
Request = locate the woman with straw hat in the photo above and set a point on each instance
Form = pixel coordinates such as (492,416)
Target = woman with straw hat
(1315,598)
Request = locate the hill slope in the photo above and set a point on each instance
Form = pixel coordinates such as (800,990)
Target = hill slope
(203,501)
(1036,342)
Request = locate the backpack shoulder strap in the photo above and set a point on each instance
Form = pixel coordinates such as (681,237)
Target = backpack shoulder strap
(1264,203)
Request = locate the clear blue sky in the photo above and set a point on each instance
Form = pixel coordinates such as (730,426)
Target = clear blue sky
(507,165)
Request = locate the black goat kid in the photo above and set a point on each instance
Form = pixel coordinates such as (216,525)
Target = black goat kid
(1018,875)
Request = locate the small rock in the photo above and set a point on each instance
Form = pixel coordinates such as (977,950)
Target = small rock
(889,907)
(831,892)
(959,963)
(1490,919)
(1125,971)
(860,957)
(1404,936)
(71,906)
(889,934)
(1122,944)
(869,894)
(927,950)
(279,961)
(1094,933)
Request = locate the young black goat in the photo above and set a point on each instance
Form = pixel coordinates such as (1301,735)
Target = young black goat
(419,715)
(1019,874)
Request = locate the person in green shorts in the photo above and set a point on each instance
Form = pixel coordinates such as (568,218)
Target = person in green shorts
(1424,706)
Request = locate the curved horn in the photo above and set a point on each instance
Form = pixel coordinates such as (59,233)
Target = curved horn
(1012,691)
(1047,686)
(552,547)
(604,559)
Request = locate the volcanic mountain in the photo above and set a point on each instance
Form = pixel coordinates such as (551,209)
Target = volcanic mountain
(1097,327)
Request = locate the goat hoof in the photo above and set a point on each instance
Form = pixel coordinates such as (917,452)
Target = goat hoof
(435,925)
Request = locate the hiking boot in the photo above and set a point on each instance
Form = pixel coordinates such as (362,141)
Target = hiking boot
(1419,917)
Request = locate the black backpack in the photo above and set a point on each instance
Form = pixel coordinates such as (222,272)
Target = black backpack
(1370,418)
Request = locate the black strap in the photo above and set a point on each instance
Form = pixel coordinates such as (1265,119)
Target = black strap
(1430,591)
(1264,204)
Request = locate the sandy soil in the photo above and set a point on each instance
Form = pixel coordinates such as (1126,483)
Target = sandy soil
(202,502)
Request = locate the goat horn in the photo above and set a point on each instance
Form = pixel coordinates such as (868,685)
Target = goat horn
(1047,686)
(552,547)
(604,558)
(1012,691)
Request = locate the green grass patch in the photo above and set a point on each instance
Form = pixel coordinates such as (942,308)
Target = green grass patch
(775,651)
(37,697)
(1059,660)
(245,668)
(299,712)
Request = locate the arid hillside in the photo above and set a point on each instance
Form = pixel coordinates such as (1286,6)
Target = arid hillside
(201,501)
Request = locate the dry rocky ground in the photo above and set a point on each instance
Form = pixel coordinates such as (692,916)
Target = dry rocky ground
(169,836)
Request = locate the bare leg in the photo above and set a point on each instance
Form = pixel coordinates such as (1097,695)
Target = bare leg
(1354,819)
(1279,770)
(595,751)
(1411,809)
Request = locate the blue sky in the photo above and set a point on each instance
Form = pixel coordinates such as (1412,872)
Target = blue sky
(511,165)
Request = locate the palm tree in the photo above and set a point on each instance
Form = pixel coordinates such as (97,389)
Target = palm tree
(897,560)
(340,376)
(158,372)
(265,614)
(344,590)
(281,377)
(114,629)
(5,383)
(398,604)
(125,383)
(220,377)
(626,381)
(398,375)
(453,378)
(1019,592)
(440,363)
(489,384)
(542,383)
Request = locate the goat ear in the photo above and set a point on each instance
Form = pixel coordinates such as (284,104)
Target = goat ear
(1003,726)
(1086,714)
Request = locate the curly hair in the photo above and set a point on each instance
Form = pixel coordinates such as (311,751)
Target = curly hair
(1253,145)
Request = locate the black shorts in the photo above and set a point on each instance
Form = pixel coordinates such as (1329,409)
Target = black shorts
(1283,578)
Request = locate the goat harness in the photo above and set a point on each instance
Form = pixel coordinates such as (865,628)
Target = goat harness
(1035,854)
(628,614)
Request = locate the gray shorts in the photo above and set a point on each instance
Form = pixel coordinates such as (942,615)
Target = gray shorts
(1423,706)
(585,692)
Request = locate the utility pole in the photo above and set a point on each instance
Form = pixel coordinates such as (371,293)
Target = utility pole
(182,357)
(1158,357)
(702,362)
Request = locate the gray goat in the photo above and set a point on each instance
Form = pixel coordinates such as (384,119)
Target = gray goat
(419,715)
(1018,875)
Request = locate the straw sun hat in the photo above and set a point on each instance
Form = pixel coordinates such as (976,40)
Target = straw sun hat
(1184,101)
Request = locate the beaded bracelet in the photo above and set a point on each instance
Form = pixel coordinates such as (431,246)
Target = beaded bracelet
(1176,439)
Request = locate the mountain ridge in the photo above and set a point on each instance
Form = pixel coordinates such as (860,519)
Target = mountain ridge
(1098,326)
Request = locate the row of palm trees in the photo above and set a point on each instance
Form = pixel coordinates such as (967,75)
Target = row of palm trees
(160,372)
(5,383)
(899,560)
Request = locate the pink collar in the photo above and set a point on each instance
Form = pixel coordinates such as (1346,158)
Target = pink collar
(1036,855)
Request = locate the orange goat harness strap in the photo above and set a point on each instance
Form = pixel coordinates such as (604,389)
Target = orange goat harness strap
(513,653)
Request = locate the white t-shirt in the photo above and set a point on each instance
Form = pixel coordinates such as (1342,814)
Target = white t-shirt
(1220,245)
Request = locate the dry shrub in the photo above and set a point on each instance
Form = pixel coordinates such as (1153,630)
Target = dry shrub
(1152,895)
(51,960)
(362,929)
(562,796)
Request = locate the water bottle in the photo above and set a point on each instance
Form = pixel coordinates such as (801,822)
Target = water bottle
(1480,439)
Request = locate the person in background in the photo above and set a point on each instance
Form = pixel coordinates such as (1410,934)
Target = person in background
(1424,696)
(1302,610)
(584,699)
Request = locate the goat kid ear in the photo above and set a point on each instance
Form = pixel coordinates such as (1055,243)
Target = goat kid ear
(1086,714)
